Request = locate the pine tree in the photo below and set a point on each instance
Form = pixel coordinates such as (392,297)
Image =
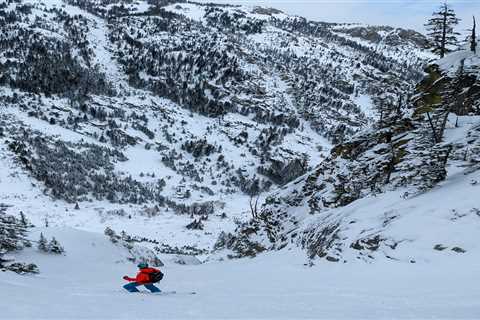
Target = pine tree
(454,97)
(55,247)
(473,39)
(13,234)
(111,234)
(42,243)
(389,106)
(125,237)
(23,219)
(441,30)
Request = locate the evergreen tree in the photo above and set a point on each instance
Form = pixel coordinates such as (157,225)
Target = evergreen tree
(441,30)
(12,238)
(23,219)
(473,39)
(389,107)
(42,243)
(55,247)
(12,233)
(111,234)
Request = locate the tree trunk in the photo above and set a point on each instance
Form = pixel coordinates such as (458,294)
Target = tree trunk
(473,45)
(434,132)
(443,124)
(444,32)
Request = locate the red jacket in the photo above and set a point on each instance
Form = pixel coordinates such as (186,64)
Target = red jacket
(143,276)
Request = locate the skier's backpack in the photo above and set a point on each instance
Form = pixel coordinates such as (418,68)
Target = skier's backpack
(155,276)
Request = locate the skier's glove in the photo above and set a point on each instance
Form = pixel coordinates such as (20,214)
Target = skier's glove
(125,277)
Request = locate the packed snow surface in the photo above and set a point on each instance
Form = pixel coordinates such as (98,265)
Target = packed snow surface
(86,283)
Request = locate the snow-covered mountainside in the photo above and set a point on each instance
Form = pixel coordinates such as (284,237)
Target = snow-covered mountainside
(184,134)
(401,190)
(151,111)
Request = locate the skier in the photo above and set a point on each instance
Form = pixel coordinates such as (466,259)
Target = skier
(146,277)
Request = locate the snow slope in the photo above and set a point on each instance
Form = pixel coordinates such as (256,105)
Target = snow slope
(464,58)
(19,190)
(399,224)
(86,284)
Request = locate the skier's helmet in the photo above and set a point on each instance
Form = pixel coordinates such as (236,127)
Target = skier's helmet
(142,265)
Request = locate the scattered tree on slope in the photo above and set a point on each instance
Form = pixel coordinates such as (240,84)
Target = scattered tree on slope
(441,30)
(13,237)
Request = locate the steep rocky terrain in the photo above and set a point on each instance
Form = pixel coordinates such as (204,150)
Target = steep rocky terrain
(398,190)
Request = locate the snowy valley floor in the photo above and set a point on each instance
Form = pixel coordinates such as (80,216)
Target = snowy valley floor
(86,283)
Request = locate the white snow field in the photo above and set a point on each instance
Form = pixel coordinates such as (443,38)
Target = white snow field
(86,283)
